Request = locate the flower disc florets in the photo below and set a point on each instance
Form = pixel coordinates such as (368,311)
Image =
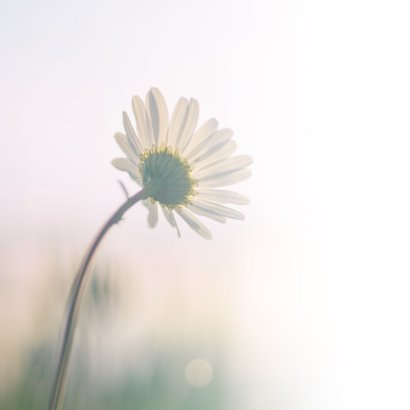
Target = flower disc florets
(167,176)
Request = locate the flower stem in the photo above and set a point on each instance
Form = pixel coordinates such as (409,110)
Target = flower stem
(77,290)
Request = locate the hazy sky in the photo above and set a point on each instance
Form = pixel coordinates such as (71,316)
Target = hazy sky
(316,91)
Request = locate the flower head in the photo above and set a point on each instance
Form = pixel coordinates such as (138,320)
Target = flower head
(179,166)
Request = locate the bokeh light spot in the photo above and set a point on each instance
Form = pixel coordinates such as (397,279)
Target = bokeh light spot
(198,373)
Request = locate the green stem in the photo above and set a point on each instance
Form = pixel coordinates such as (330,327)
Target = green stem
(78,287)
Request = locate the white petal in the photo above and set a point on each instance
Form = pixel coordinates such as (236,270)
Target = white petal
(124,164)
(188,128)
(158,113)
(177,120)
(223,179)
(204,212)
(211,208)
(225,165)
(214,142)
(141,119)
(194,223)
(152,212)
(220,154)
(205,131)
(222,196)
(131,135)
(169,216)
(126,148)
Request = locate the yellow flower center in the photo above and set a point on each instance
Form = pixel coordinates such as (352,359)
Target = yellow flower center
(167,176)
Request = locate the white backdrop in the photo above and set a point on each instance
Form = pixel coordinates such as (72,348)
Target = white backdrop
(316,91)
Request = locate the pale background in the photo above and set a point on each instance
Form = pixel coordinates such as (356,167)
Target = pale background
(310,292)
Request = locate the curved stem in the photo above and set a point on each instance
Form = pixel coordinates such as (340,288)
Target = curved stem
(78,287)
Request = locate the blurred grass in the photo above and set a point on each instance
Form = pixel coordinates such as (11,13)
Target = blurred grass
(165,388)
(156,384)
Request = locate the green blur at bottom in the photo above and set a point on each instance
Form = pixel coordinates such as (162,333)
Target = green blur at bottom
(164,389)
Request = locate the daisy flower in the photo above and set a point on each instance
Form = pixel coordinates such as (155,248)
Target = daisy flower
(180,167)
